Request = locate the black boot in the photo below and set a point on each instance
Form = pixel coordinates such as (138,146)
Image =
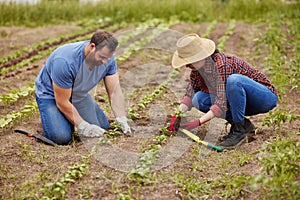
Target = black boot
(236,137)
(248,126)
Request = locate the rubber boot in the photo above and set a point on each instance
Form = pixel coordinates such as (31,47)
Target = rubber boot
(236,137)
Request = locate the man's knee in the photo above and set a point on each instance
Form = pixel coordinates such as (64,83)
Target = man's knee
(60,137)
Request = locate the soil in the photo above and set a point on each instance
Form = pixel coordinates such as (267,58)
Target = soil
(26,165)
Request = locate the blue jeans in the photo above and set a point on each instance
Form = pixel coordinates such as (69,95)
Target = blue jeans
(245,96)
(57,127)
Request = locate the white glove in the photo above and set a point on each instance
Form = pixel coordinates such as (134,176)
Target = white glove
(125,126)
(90,130)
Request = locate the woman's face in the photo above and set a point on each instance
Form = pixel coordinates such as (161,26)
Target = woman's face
(196,65)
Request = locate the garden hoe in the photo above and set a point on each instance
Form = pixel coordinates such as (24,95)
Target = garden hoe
(38,137)
(195,137)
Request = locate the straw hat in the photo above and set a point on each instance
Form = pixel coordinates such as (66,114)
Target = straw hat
(191,48)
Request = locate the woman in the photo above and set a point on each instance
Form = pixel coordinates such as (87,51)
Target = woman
(222,85)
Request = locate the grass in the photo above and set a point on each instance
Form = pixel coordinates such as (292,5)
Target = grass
(55,12)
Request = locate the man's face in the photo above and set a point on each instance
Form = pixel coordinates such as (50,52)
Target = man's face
(98,57)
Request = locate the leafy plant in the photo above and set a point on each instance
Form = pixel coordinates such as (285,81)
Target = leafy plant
(141,173)
(14,95)
(57,190)
(275,119)
(114,130)
(228,33)
(124,196)
(209,29)
(280,170)
(15,116)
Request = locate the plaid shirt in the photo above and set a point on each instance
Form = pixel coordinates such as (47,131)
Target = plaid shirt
(211,78)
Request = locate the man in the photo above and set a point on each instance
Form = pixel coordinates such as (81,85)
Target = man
(62,87)
(222,85)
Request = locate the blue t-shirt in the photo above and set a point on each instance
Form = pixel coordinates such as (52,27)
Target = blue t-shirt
(66,67)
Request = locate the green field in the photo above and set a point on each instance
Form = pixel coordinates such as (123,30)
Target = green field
(265,33)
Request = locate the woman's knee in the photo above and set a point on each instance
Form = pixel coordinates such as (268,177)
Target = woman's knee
(202,101)
(233,80)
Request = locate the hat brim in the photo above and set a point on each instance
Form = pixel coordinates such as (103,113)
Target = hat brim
(210,47)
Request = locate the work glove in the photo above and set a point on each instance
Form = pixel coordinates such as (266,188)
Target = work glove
(173,126)
(124,125)
(191,125)
(90,130)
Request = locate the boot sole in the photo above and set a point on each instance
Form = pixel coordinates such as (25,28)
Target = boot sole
(237,145)
(248,133)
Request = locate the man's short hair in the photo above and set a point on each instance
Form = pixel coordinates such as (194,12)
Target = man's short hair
(102,39)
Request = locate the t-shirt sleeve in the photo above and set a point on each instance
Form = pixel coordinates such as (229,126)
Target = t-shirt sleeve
(61,73)
(112,69)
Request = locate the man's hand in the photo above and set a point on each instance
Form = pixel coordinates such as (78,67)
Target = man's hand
(90,130)
(125,127)
(191,125)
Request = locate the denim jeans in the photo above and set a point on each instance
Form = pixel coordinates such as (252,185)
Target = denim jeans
(57,127)
(245,96)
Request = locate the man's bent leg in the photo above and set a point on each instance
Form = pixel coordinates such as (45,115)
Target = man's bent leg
(90,112)
(55,125)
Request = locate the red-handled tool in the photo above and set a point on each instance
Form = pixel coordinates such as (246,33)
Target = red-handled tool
(36,136)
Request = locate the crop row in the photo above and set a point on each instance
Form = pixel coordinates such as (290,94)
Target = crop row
(28,52)
(228,33)
(15,95)
(44,49)
(141,172)
(133,47)
(15,67)
(15,116)
(147,99)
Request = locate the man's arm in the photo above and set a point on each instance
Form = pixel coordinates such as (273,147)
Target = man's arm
(62,98)
(113,88)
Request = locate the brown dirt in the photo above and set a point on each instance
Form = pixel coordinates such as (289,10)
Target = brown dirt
(26,163)
(15,38)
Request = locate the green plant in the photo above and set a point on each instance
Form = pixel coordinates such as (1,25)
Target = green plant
(57,190)
(278,176)
(114,130)
(122,196)
(277,118)
(233,187)
(193,186)
(141,173)
(228,33)
(14,95)
(209,29)
(15,116)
